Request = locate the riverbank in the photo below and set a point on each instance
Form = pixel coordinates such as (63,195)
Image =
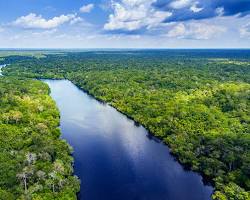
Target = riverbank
(35,162)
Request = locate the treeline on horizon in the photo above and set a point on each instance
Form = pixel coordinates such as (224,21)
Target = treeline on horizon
(198,102)
(34,162)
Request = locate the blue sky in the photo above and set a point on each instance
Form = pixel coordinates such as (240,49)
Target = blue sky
(125,24)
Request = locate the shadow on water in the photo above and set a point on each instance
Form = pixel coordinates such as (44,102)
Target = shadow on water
(116,158)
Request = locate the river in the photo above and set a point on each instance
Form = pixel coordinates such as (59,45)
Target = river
(1,66)
(116,159)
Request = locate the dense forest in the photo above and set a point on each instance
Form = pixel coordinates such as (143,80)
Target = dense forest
(34,162)
(196,101)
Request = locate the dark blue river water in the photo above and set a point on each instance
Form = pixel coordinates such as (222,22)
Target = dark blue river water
(116,159)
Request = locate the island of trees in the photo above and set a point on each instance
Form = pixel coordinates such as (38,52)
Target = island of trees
(196,101)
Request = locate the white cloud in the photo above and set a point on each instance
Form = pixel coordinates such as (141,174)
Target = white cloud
(86,8)
(194,7)
(245,31)
(179,4)
(34,21)
(45,32)
(204,31)
(196,30)
(131,15)
(219,11)
(177,31)
(76,20)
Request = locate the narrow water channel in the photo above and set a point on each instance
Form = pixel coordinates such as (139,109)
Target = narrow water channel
(116,159)
(1,66)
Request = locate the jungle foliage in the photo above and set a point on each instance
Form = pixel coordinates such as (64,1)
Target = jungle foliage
(34,162)
(197,101)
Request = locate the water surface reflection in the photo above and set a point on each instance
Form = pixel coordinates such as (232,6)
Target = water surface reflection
(115,159)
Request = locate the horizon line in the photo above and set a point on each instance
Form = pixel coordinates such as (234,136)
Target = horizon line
(122,48)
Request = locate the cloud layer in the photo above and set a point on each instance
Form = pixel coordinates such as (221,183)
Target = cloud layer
(202,9)
(245,31)
(135,15)
(34,21)
(86,8)
(131,23)
(131,15)
(195,30)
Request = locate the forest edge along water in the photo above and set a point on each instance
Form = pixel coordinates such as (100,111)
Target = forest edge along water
(114,157)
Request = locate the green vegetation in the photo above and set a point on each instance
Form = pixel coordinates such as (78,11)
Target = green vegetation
(198,102)
(27,53)
(34,162)
(37,54)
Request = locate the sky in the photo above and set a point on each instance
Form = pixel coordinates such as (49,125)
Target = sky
(125,24)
